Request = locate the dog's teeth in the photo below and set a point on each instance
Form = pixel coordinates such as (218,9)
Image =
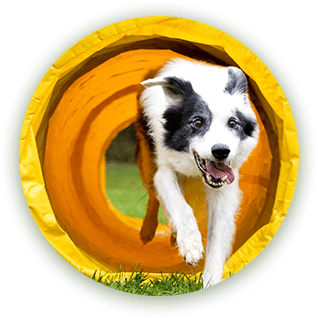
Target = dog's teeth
(224,178)
(212,182)
(202,162)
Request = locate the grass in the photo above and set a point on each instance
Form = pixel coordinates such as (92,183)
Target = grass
(127,193)
(141,284)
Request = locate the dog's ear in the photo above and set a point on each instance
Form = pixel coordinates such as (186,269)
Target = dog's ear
(173,87)
(154,82)
(237,82)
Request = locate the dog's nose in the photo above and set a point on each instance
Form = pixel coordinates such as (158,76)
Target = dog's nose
(220,151)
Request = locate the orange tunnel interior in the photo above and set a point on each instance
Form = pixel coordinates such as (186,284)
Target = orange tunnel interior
(94,102)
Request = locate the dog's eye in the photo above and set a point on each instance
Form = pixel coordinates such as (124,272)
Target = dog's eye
(198,123)
(232,123)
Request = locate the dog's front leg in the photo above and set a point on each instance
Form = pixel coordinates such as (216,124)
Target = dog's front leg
(189,240)
(221,229)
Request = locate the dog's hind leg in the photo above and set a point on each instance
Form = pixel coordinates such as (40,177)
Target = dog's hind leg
(144,157)
(150,222)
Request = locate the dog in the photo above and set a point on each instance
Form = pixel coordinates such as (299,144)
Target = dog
(195,120)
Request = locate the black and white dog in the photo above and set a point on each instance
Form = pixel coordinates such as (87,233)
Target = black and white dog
(202,124)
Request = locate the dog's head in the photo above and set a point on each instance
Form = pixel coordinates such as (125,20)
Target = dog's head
(205,111)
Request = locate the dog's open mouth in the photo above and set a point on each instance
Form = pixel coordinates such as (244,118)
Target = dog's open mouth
(215,173)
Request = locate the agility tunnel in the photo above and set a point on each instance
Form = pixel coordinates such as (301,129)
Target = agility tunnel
(90,95)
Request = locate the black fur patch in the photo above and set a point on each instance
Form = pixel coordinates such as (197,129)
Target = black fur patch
(181,116)
(246,125)
(236,82)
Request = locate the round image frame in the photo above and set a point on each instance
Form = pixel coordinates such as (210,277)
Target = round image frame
(244,287)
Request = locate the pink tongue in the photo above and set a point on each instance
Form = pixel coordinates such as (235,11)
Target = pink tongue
(220,170)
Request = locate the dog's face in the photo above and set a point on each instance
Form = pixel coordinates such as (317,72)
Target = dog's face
(204,111)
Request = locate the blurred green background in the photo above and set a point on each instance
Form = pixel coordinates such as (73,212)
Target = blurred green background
(122,149)
(123,182)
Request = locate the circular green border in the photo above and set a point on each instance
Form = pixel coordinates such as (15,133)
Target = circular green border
(110,299)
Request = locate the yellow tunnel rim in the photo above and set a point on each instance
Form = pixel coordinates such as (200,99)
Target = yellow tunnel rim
(174,28)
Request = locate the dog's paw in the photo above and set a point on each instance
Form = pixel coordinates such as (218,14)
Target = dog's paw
(190,246)
(148,230)
(211,279)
